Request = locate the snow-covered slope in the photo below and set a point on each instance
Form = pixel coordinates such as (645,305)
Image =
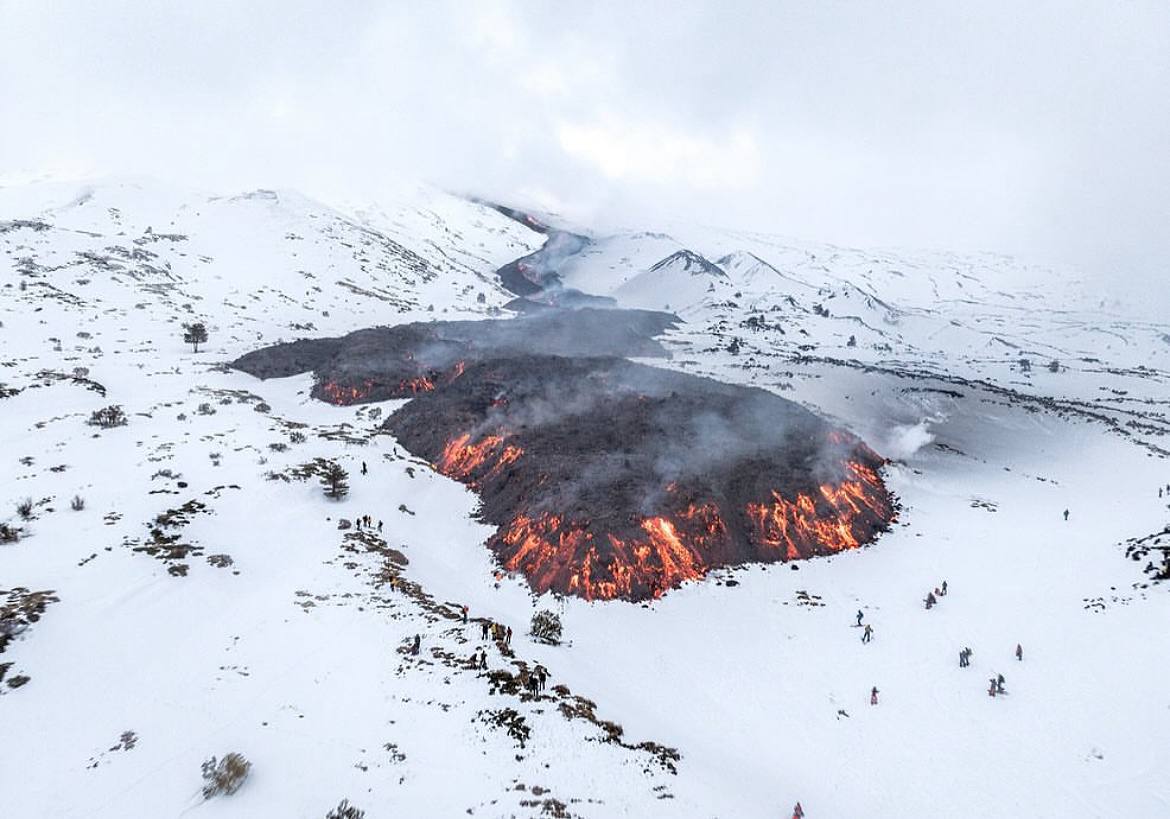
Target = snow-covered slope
(207,602)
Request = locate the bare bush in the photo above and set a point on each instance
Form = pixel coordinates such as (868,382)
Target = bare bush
(205,409)
(108,417)
(9,534)
(344,810)
(297,437)
(24,509)
(546,627)
(77,504)
(224,776)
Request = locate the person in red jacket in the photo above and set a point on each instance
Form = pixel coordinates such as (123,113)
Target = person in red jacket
(798,812)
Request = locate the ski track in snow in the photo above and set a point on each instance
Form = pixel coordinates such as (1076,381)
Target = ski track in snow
(294,654)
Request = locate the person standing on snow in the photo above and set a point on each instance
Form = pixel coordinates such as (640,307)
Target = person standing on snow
(873,696)
(414,648)
(798,812)
(992,688)
(999,684)
(930,600)
(1019,652)
(867,635)
(1066,514)
(859,617)
(944,588)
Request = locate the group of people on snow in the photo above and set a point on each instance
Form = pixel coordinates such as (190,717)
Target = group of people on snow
(369,523)
(933,596)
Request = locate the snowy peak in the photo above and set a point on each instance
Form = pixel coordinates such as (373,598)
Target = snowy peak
(689,262)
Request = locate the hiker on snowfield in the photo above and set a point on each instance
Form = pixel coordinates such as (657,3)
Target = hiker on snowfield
(364,470)
(873,696)
(1066,514)
(944,588)
(508,637)
(999,684)
(992,689)
(465,615)
(483,630)
(1019,652)
(859,616)
(867,635)
(930,600)
(379,527)
(414,648)
(483,659)
(963,657)
(798,812)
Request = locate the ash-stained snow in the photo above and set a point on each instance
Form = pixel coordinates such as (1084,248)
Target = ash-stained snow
(205,599)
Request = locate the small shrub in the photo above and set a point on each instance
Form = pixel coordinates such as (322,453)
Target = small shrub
(262,407)
(1054,366)
(108,417)
(224,776)
(81,372)
(9,534)
(297,437)
(546,627)
(77,504)
(205,409)
(24,509)
(344,810)
(278,446)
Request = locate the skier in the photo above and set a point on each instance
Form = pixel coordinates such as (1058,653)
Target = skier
(873,696)
(867,635)
(859,617)
(1066,514)
(1019,652)
(944,588)
(414,648)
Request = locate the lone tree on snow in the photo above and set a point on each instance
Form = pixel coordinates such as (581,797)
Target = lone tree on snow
(195,334)
(335,480)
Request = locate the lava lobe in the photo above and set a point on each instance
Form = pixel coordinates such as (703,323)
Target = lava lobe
(610,479)
(606,478)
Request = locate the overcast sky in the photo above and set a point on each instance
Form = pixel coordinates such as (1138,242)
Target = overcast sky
(1035,128)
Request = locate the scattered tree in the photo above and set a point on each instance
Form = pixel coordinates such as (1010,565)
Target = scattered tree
(335,480)
(546,627)
(224,776)
(108,417)
(195,334)
(344,810)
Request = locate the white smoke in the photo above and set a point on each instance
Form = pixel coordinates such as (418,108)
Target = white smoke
(904,440)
